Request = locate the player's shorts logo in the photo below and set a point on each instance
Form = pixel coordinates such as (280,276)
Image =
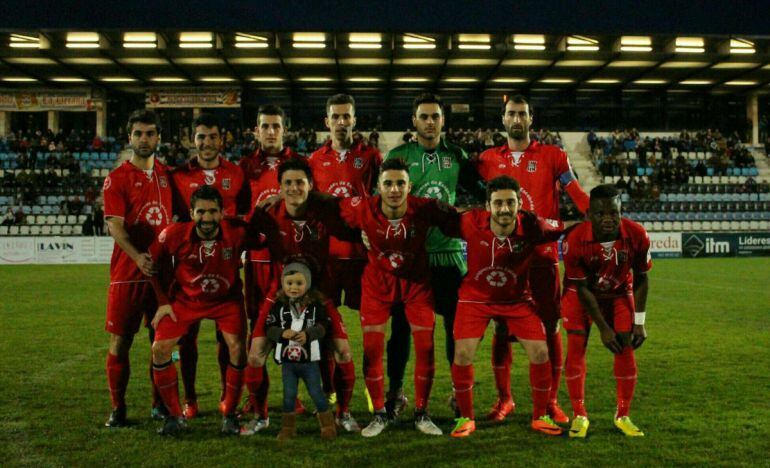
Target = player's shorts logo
(209,285)
(497,279)
(154,216)
(210,179)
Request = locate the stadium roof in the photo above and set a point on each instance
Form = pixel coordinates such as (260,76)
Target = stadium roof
(134,61)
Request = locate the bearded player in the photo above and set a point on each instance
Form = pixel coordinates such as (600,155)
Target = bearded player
(137,207)
(203,257)
(606,261)
(501,240)
(208,168)
(261,172)
(542,170)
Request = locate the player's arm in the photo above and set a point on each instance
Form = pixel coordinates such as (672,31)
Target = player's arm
(641,287)
(569,181)
(470,180)
(243,199)
(159,253)
(443,216)
(121,237)
(588,301)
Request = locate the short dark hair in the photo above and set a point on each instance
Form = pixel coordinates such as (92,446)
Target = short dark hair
(144,116)
(603,192)
(206,192)
(517,99)
(394,164)
(295,164)
(502,183)
(340,99)
(426,98)
(207,120)
(271,109)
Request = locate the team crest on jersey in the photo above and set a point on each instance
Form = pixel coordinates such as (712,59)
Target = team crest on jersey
(162,181)
(518,247)
(227,253)
(446,162)
(532,166)
(226,184)
(358,163)
(622,256)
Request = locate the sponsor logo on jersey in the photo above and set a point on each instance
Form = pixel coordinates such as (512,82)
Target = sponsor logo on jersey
(435,189)
(154,216)
(341,189)
(496,279)
(532,166)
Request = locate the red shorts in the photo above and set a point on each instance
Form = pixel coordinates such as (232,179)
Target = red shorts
(546,291)
(617,311)
(127,303)
(472,319)
(381,291)
(337,331)
(345,275)
(260,278)
(229,316)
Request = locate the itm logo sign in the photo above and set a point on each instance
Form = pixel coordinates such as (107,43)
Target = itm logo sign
(696,245)
(693,246)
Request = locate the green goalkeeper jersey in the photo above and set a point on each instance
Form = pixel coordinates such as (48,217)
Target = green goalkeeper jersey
(434,174)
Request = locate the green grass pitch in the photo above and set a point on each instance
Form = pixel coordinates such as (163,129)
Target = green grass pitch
(702,397)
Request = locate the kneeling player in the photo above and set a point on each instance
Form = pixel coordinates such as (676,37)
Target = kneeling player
(206,283)
(501,240)
(599,256)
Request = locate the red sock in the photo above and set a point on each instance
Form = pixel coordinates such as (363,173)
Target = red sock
(327,366)
(165,379)
(374,349)
(625,376)
(462,380)
(555,356)
(345,381)
(424,367)
(502,357)
(254,380)
(223,359)
(540,381)
(188,363)
(575,374)
(118,372)
(233,389)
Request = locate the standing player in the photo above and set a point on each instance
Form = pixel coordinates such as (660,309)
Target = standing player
(296,229)
(501,241)
(260,170)
(345,169)
(208,168)
(397,272)
(204,258)
(435,166)
(137,207)
(600,256)
(541,170)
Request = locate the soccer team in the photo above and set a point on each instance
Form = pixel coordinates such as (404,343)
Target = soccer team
(382,234)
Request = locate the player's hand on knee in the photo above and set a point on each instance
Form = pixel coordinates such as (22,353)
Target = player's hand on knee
(610,340)
(639,334)
(164,310)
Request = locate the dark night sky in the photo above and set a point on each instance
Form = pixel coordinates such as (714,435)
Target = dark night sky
(719,17)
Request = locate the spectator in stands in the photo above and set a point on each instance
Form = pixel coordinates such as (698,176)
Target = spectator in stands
(407,137)
(88,226)
(374,138)
(19,216)
(9,218)
(98,220)
(621,184)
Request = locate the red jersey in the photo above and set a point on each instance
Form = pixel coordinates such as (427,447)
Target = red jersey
(351,173)
(498,268)
(227,178)
(261,171)
(205,272)
(607,267)
(398,245)
(540,170)
(144,201)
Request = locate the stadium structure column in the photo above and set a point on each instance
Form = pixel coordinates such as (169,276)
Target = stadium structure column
(752,114)
(101,120)
(53,120)
(5,123)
